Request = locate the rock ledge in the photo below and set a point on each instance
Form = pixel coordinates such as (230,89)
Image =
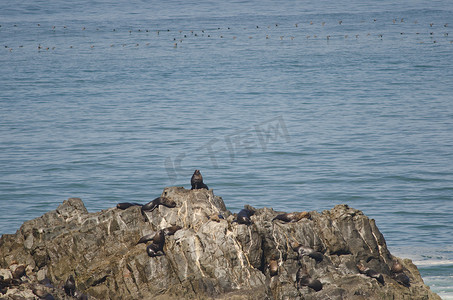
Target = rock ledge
(336,254)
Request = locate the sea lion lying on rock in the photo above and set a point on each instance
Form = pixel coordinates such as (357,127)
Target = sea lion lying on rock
(156,248)
(292,217)
(399,275)
(17,271)
(307,251)
(303,279)
(167,231)
(42,293)
(125,205)
(150,206)
(370,273)
(171,230)
(403,279)
(244,215)
(216,218)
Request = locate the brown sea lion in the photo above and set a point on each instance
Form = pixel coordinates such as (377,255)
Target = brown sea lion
(371,273)
(244,215)
(46,282)
(197,181)
(150,206)
(156,248)
(403,279)
(216,218)
(273,267)
(171,230)
(146,238)
(292,217)
(167,231)
(18,272)
(307,251)
(398,274)
(80,296)
(41,292)
(125,205)
(397,267)
(69,286)
(303,279)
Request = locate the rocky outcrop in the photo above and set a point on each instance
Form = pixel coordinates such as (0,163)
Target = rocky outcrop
(336,254)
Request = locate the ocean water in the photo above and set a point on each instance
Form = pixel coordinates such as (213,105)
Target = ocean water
(295,106)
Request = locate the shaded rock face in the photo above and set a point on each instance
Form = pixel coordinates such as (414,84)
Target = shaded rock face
(208,257)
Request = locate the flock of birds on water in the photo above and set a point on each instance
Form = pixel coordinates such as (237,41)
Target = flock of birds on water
(178,38)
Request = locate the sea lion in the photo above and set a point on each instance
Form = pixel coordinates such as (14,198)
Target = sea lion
(244,215)
(153,250)
(197,181)
(397,267)
(307,251)
(167,231)
(125,205)
(371,273)
(80,296)
(46,282)
(398,274)
(18,272)
(171,230)
(273,267)
(403,279)
(4,285)
(69,286)
(41,292)
(150,206)
(292,217)
(146,238)
(216,218)
(303,279)
(156,248)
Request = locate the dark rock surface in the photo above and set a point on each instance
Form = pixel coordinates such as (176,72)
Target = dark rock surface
(209,257)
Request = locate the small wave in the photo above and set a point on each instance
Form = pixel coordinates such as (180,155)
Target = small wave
(433,262)
(441,285)
(446,296)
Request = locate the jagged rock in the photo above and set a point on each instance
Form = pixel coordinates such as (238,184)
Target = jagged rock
(207,258)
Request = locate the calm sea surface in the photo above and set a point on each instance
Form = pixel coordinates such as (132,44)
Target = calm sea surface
(287,105)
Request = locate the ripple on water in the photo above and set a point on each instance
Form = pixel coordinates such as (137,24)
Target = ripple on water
(113,112)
